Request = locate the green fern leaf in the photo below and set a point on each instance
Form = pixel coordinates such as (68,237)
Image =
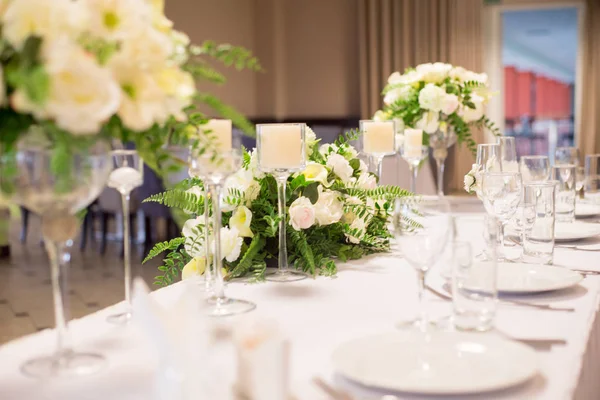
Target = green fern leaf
(161,247)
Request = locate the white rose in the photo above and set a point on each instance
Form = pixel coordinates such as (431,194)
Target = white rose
(469,76)
(366,181)
(240,220)
(434,73)
(469,114)
(399,93)
(231,244)
(359,224)
(328,209)
(429,122)
(115,19)
(47,19)
(82,95)
(302,213)
(193,231)
(450,104)
(316,172)
(340,166)
(432,97)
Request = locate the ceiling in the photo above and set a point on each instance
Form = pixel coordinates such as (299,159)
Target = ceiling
(543,41)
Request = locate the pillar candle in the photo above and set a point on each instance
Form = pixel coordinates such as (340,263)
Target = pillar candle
(413,142)
(221,130)
(280,146)
(378,137)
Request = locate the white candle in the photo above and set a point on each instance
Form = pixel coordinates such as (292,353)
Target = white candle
(413,142)
(281,146)
(221,130)
(378,137)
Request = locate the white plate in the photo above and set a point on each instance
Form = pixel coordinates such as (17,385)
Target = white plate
(568,232)
(530,278)
(586,210)
(439,363)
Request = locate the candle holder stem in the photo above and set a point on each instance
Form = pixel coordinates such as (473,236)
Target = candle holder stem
(209,273)
(284,273)
(440,175)
(414,171)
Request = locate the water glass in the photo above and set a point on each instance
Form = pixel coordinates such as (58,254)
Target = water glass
(535,168)
(508,153)
(566,155)
(538,242)
(474,290)
(565,175)
(592,177)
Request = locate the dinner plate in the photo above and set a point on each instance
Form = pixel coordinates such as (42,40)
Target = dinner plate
(521,278)
(437,363)
(568,232)
(586,210)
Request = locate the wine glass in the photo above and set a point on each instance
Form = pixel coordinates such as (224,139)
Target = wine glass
(422,228)
(580,179)
(566,155)
(414,156)
(489,159)
(128,174)
(57,193)
(535,168)
(508,153)
(501,194)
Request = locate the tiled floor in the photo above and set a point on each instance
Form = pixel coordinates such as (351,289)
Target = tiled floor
(25,292)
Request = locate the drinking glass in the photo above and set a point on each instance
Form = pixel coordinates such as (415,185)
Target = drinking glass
(421,228)
(535,168)
(566,155)
(538,242)
(214,170)
(580,180)
(501,194)
(128,174)
(524,219)
(377,141)
(414,157)
(565,175)
(281,151)
(474,291)
(592,177)
(32,180)
(508,153)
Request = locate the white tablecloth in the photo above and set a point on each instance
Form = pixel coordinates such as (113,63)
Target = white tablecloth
(367,296)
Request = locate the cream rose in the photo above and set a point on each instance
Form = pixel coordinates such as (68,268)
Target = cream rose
(240,220)
(450,104)
(340,166)
(302,213)
(328,209)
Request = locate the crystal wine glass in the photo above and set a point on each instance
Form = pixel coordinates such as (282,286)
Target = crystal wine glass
(128,174)
(508,153)
(566,155)
(422,228)
(57,193)
(281,151)
(489,160)
(414,156)
(535,168)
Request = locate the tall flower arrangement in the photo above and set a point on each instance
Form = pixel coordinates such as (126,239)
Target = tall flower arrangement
(436,98)
(335,209)
(79,69)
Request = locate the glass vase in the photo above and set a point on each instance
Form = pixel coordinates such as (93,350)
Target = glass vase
(440,142)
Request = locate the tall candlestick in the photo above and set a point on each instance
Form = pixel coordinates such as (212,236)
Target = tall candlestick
(221,130)
(413,142)
(378,137)
(280,146)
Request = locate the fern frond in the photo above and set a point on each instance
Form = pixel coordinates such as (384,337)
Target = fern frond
(301,245)
(229,55)
(257,244)
(161,247)
(200,69)
(384,192)
(177,198)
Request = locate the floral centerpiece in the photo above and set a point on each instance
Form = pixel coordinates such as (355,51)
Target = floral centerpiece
(443,100)
(335,208)
(80,70)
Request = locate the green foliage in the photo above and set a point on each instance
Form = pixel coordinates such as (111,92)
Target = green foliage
(171,269)
(229,55)
(161,247)
(179,199)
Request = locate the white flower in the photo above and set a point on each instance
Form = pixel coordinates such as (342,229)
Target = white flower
(315,172)
(359,224)
(327,148)
(47,19)
(469,114)
(328,209)
(178,87)
(434,73)
(450,104)
(115,19)
(394,78)
(145,48)
(194,268)
(244,181)
(193,231)
(429,122)
(82,95)
(231,244)
(469,76)
(366,181)
(432,97)
(240,220)
(340,166)
(253,165)
(310,138)
(399,93)
(362,166)
(302,213)
(379,116)
(349,152)
(409,78)
(472,179)
(458,73)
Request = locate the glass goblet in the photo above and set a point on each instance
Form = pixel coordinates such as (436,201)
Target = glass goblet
(414,156)
(421,228)
(566,155)
(128,174)
(32,180)
(508,153)
(535,168)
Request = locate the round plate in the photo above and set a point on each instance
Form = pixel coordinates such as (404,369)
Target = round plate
(586,210)
(437,363)
(569,232)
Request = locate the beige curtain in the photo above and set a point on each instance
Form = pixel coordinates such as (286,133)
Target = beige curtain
(396,34)
(589,122)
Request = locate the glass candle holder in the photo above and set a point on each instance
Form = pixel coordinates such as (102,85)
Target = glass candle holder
(281,152)
(378,139)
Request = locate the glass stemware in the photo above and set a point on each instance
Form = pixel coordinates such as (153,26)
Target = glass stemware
(422,228)
(281,151)
(508,153)
(580,180)
(488,159)
(501,194)
(414,157)
(566,155)
(32,179)
(535,168)
(592,178)
(128,174)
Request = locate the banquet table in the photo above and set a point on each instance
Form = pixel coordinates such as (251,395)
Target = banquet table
(367,296)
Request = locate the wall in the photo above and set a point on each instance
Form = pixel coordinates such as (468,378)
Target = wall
(309,50)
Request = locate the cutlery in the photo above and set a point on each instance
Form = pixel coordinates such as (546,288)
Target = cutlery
(549,307)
